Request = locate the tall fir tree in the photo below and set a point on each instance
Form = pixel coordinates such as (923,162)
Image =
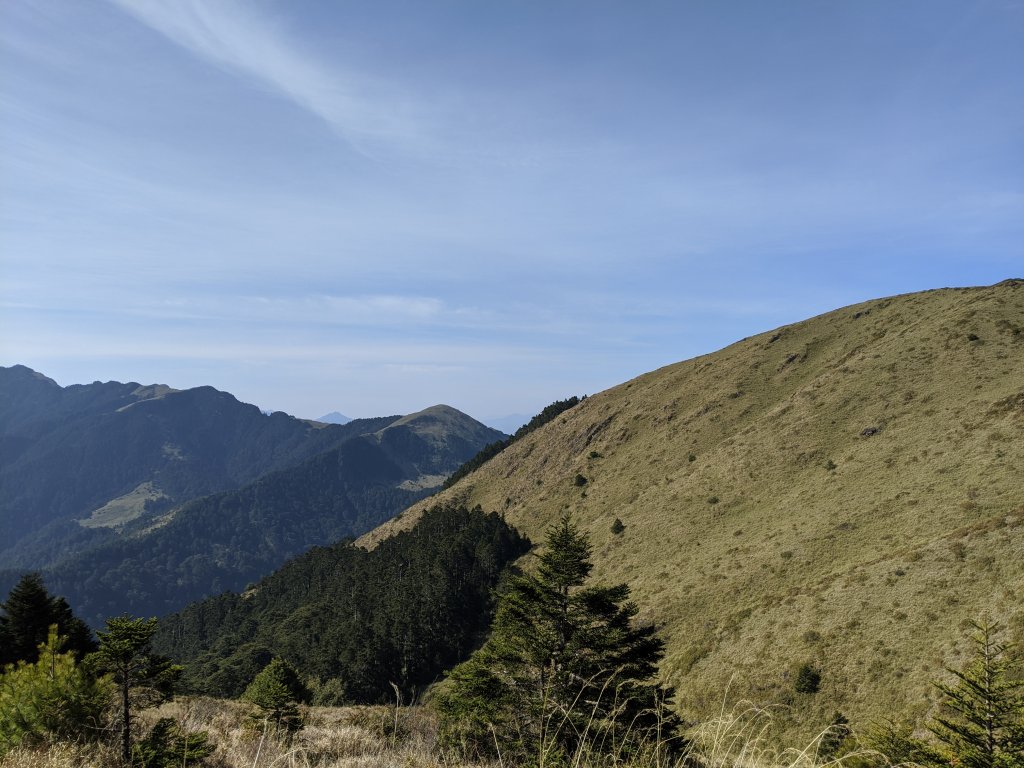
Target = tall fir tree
(143,678)
(982,723)
(566,668)
(26,617)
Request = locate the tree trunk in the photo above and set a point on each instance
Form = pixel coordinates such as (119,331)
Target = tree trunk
(126,725)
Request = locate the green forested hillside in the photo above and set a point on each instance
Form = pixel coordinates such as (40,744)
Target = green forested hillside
(844,492)
(226,540)
(355,621)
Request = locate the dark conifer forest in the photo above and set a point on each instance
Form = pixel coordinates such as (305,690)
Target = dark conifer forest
(355,621)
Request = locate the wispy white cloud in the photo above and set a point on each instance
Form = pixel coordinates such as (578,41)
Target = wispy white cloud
(312,310)
(377,310)
(281,347)
(367,113)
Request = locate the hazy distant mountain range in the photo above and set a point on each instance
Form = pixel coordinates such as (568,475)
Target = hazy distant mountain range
(142,498)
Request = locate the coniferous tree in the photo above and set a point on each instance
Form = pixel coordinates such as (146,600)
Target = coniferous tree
(982,725)
(896,744)
(808,679)
(54,697)
(565,668)
(276,691)
(143,678)
(167,745)
(26,617)
(835,737)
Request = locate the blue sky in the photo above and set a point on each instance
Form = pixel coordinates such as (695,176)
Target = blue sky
(373,207)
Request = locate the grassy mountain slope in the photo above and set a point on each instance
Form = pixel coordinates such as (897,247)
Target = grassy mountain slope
(845,491)
(226,540)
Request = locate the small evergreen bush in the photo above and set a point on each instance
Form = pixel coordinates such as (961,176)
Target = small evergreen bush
(53,698)
(168,746)
(808,679)
(276,692)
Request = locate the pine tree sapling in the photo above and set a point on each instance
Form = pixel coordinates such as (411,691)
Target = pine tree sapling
(168,746)
(276,692)
(475,706)
(51,698)
(143,678)
(833,740)
(565,668)
(982,722)
(808,679)
(896,744)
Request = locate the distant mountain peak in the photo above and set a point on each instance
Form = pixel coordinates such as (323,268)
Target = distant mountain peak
(441,418)
(334,417)
(24,372)
(108,482)
(439,411)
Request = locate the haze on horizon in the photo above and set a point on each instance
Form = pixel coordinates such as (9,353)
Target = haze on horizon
(376,207)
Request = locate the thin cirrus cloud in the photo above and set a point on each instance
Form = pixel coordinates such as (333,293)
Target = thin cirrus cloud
(312,310)
(235,38)
(378,310)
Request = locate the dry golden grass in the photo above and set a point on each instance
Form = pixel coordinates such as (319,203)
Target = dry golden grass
(61,756)
(367,737)
(845,491)
(334,737)
(348,737)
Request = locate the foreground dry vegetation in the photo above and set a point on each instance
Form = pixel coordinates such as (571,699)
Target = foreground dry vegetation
(343,736)
(405,737)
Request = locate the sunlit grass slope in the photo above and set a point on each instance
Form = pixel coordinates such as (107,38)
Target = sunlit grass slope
(846,491)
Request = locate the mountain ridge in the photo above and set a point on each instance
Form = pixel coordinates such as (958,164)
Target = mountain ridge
(826,492)
(217,493)
(66,452)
